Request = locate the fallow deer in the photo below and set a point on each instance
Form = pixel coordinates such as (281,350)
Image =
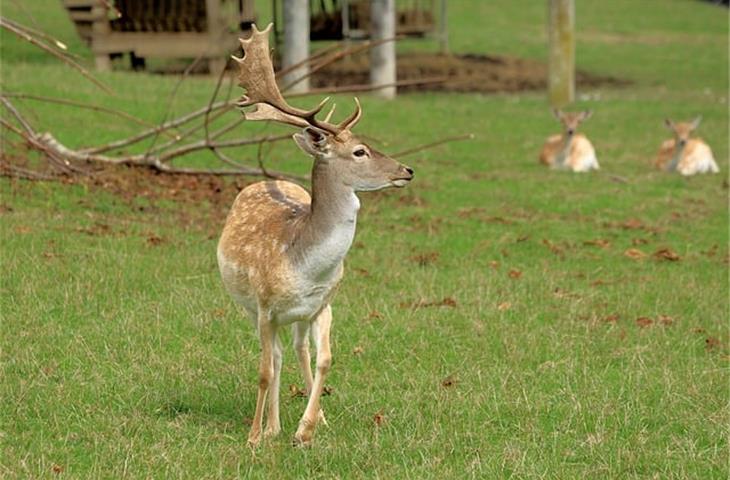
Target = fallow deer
(570,150)
(683,154)
(281,251)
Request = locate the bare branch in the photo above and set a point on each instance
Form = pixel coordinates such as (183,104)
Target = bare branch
(13,28)
(467,136)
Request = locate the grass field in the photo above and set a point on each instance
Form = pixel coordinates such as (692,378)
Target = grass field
(555,354)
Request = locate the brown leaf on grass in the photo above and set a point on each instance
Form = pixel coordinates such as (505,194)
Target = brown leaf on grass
(522,238)
(219,312)
(632,224)
(515,274)
(296,392)
(634,254)
(698,330)
(553,248)
(598,282)
(5,208)
(425,259)
(560,293)
(374,315)
(449,381)
(56,468)
(96,230)
(494,264)
(504,306)
(49,255)
(665,320)
(644,322)
(154,240)
(712,251)
(423,303)
(666,254)
(613,318)
(23,229)
(361,271)
(712,343)
(639,241)
(379,419)
(358,350)
(327,391)
(598,242)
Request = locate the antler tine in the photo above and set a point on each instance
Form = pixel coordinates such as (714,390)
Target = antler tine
(352,120)
(256,76)
(329,115)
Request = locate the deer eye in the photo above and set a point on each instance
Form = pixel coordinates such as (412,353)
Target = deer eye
(360,152)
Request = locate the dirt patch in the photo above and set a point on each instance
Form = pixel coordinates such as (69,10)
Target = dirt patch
(462,73)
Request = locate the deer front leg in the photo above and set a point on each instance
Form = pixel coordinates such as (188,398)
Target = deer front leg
(267,334)
(273,424)
(301,347)
(321,334)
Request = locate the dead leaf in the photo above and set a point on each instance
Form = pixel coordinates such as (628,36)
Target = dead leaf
(644,322)
(712,343)
(449,381)
(504,306)
(698,330)
(598,242)
(665,320)
(22,229)
(494,264)
(553,248)
(358,350)
(523,238)
(639,241)
(634,254)
(379,419)
(374,315)
(632,224)
(613,318)
(296,392)
(219,312)
(57,469)
(515,274)
(154,240)
(666,254)
(425,259)
(423,303)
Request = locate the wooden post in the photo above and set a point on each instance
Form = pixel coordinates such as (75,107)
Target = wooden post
(561,43)
(443,29)
(296,43)
(100,28)
(382,57)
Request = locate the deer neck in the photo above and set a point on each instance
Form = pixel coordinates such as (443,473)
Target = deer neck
(329,228)
(678,152)
(565,150)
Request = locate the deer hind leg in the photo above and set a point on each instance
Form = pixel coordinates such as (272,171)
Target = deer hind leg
(273,424)
(321,334)
(267,334)
(300,332)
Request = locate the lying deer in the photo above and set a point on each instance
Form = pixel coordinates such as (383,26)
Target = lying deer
(281,252)
(683,154)
(570,150)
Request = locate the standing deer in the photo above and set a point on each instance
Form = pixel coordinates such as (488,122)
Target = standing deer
(570,150)
(281,251)
(683,154)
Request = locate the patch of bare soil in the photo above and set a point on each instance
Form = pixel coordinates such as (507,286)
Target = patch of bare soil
(461,73)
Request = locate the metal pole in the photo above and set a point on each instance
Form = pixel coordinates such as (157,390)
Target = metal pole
(561,44)
(382,57)
(296,43)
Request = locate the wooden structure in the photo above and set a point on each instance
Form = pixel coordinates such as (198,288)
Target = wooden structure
(351,19)
(161,28)
(561,57)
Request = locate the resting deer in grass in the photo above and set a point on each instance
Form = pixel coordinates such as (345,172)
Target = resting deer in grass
(570,150)
(683,154)
(281,252)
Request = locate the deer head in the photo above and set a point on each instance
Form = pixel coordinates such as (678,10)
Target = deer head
(571,120)
(682,130)
(356,164)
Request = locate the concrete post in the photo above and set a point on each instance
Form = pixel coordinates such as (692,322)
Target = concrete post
(561,61)
(296,43)
(382,57)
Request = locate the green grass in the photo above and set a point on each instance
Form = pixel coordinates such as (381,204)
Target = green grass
(123,359)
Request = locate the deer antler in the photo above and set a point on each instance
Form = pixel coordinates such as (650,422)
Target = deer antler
(256,76)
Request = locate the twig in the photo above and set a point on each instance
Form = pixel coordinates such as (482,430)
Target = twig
(87,106)
(204,144)
(11,27)
(466,136)
(339,55)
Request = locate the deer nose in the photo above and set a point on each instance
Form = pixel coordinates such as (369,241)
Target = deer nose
(570,131)
(409,170)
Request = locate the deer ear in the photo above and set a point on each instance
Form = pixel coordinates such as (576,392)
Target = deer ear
(585,115)
(696,122)
(557,113)
(669,124)
(312,141)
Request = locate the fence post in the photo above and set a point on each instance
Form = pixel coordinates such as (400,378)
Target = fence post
(561,44)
